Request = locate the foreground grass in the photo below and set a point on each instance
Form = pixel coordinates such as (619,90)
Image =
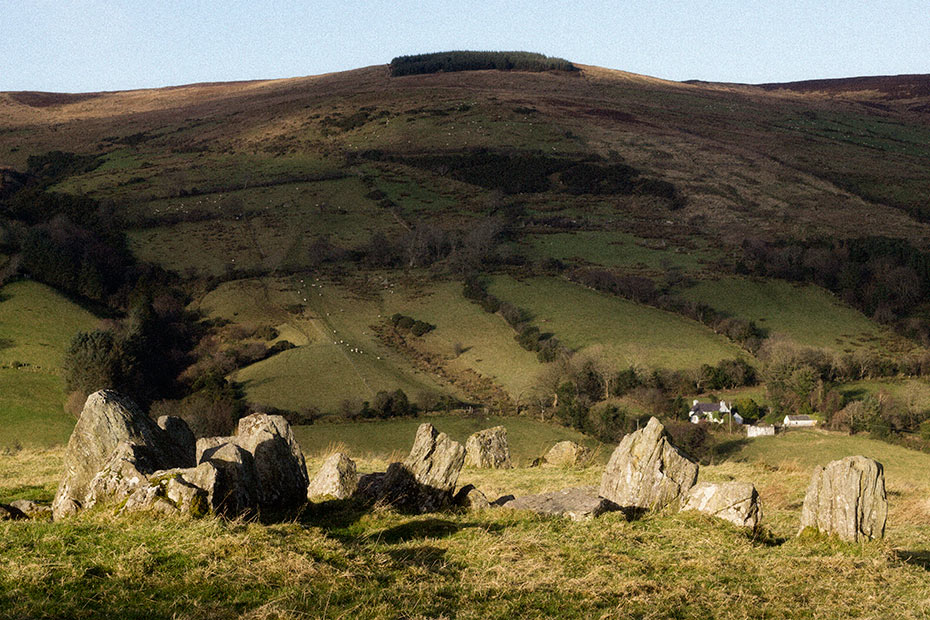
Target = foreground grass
(334,560)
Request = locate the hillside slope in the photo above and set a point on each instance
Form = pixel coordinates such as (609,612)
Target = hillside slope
(354,175)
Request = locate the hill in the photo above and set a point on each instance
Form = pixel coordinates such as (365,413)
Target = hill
(388,191)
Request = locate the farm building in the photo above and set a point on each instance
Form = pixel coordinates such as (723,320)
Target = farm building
(759,431)
(712,412)
(799,421)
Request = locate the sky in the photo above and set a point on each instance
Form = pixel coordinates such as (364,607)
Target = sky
(95,45)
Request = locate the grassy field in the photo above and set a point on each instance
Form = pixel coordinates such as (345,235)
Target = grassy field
(528,439)
(807,314)
(616,249)
(262,228)
(335,561)
(340,356)
(36,327)
(630,333)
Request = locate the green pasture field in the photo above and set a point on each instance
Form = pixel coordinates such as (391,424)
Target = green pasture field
(615,249)
(386,439)
(913,393)
(344,355)
(36,327)
(806,314)
(629,333)
(341,560)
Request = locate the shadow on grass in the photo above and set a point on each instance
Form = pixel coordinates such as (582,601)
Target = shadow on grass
(416,529)
(6,343)
(915,558)
(426,556)
(726,449)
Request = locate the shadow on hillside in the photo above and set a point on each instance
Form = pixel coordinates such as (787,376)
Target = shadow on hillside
(915,558)
(6,343)
(726,449)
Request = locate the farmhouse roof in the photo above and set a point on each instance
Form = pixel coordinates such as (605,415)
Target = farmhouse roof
(799,418)
(705,408)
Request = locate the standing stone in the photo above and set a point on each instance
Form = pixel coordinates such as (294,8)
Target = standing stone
(279,462)
(108,419)
(124,473)
(566,454)
(337,478)
(234,487)
(736,502)
(425,480)
(646,472)
(488,449)
(847,498)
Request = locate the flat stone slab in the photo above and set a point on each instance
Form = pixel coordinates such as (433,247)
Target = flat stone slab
(576,503)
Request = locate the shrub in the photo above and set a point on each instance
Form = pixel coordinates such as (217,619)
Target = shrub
(421,327)
(693,439)
(490,303)
(513,314)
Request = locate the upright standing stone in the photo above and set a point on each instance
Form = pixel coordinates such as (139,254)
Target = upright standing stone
(337,478)
(107,420)
(279,462)
(736,502)
(566,454)
(424,482)
(847,498)
(646,472)
(488,449)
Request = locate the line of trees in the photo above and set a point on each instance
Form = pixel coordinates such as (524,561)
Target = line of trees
(476,61)
(887,279)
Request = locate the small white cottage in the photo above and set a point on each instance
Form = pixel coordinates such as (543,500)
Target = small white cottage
(798,421)
(712,412)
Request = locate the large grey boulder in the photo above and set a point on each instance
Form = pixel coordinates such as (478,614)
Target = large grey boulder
(31,509)
(107,420)
(736,502)
(566,454)
(206,443)
(126,471)
(425,480)
(279,462)
(847,498)
(578,503)
(233,488)
(646,472)
(337,478)
(488,449)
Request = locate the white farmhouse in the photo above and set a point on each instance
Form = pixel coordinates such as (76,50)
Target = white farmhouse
(712,412)
(798,421)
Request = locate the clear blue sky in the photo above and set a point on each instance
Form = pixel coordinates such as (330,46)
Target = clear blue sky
(90,45)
